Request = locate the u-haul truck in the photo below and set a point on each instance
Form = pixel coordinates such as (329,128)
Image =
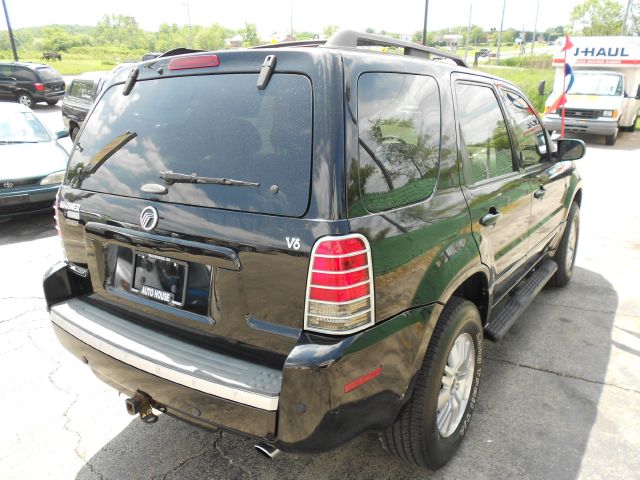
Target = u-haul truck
(605,95)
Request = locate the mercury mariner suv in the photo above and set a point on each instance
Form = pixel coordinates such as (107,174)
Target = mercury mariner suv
(306,241)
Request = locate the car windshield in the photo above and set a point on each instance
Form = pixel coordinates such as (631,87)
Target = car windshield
(596,84)
(22,127)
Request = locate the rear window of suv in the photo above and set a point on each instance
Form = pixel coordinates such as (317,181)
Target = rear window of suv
(217,126)
(49,74)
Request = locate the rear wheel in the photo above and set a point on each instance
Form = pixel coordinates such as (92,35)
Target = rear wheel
(432,425)
(74,132)
(25,99)
(565,256)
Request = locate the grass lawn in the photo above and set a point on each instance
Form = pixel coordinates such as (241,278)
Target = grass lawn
(75,66)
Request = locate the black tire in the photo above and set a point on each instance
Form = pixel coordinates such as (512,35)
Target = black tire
(25,99)
(632,127)
(611,139)
(74,132)
(565,256)
(415,436)
(52,102)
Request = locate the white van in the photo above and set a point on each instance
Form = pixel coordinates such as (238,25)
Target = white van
(605,95)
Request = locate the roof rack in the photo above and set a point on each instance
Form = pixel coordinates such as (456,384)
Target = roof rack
(353,39)
(294,43)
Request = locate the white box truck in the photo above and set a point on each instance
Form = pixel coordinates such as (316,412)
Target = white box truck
(605,95)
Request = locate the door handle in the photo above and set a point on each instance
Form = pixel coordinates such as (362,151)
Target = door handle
(539,193)
(490,219)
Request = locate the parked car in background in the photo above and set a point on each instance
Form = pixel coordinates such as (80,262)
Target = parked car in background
(32,162)
(30,83)
(80,96)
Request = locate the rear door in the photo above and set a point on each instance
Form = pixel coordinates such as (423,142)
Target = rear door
(498,195)
(53,81)
(549,181)
(221,263)
(7,82)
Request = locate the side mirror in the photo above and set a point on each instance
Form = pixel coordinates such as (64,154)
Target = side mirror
(61,134)
(571,149)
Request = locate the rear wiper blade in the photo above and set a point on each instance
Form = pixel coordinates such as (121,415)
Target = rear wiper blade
(11,142)
(170,178)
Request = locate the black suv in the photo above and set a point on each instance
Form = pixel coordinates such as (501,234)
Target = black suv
(30,83)
(303,242)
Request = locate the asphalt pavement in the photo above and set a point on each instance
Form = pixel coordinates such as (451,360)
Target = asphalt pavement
(560,395)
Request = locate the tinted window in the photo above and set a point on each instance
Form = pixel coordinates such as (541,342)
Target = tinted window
(6,71)
(49,74)
(399,137)
(24,75)
(217,126)
(484,135)
(526,126)
(82,89)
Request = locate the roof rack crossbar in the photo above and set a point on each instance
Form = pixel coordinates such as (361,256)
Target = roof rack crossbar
(353,39)
(294,43)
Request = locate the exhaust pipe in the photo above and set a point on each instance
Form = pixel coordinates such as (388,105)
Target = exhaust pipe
(267,450)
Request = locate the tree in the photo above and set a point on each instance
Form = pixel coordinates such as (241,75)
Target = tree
(330,30)
(598,17)
(250,35)
(211,38)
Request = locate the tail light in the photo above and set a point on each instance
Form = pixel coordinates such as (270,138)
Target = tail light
(56,213)
(56,216)
(340,295)
(39,87)
(194,61)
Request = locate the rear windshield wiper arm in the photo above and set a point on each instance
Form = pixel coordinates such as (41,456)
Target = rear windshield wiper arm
(170,178)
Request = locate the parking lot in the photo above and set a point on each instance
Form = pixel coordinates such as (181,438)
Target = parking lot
(560,395)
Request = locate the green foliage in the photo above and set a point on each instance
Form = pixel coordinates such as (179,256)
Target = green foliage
(250,35)
(527,80)
(330,30)
(598,17)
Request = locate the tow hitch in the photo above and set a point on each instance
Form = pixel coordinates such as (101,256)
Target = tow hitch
(142,404)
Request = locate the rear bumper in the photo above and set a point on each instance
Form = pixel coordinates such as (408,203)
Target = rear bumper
(304,407)
(27,200)
(596,126)
(49,96)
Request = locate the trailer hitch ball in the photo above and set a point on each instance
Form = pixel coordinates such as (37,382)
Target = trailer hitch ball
(141,403)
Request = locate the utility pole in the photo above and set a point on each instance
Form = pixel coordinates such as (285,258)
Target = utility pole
(424,28)
(11,39)
(291,20)
(504,6)
(624,22)
(466,43)
(535,28)
(186,4)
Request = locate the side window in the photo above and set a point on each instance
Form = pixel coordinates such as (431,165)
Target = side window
(24,75)
(399,139)
(530,139)
(484,133)
(82,89)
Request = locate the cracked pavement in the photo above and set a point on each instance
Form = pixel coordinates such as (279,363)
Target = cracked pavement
(560,395)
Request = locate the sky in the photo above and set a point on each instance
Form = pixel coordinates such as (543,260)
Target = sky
(402,16)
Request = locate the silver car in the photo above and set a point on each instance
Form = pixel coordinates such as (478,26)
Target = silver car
(32,162)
